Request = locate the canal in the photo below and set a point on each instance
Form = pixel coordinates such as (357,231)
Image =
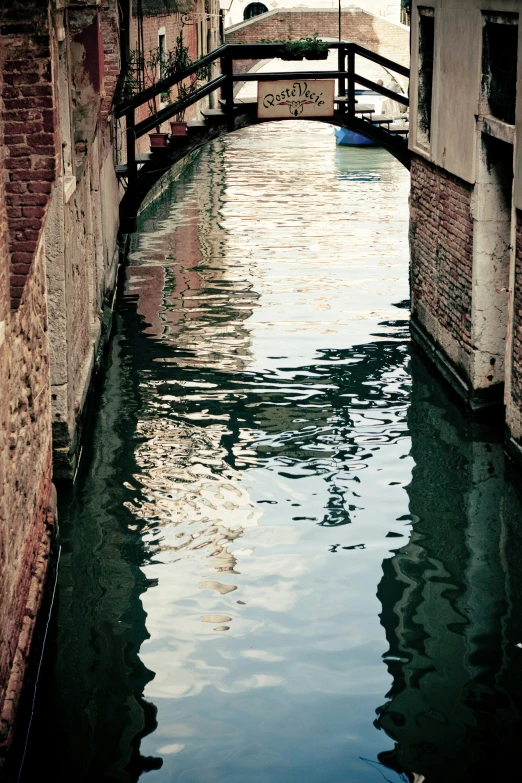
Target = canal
(289,556)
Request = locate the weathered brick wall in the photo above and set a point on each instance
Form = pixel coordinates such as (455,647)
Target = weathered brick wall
(29,138)
(58,255)
(81,227)
(386,38)
(441,237)
(25,486)
(111,63)
(27,164)
(516,372)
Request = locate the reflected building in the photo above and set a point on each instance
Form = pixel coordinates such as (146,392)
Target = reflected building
(451,603)
(92,677)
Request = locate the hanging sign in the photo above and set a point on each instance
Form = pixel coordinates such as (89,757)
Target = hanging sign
(296,98)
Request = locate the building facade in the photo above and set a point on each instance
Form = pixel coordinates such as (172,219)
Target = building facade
(159,26)
(59,65)
(236,11)
(466,198)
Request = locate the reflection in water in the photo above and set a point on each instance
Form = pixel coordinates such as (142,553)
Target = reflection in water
(452,628)
(250,483)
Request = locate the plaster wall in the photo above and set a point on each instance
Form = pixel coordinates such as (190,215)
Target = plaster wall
(491,210)
(457,81)
(514,394)
(462,129)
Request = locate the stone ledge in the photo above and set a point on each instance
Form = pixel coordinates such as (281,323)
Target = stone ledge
(474,399)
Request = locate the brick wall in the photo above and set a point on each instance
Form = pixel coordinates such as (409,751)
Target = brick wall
(441,237)
(25,485)
(27,167)
(516,377)
(29,138)
(58,257)
(111,62)
(386,38)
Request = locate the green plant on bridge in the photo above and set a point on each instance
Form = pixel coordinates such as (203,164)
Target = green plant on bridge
(310,47)
(142,72)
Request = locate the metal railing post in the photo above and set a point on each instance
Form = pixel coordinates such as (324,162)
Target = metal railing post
(341,82)
(351,81)
(228,89)
(130,123)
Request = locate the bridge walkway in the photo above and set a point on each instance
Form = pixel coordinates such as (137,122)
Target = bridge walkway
(139,172)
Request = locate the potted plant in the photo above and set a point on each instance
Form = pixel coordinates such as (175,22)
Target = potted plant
(177,61)
(178,126)
(315,49)
(293,50)
(141,73)
(154,71)
(312,48)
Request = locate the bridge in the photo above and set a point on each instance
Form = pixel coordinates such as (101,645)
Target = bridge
(139,172)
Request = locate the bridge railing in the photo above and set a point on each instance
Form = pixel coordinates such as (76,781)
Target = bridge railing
(345,73)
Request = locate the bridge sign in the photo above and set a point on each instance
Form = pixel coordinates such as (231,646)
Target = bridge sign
(295,98)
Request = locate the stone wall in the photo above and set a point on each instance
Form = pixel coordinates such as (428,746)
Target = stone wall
(81,227)
(26,517)
(441,244)
(27,159)
(58,260)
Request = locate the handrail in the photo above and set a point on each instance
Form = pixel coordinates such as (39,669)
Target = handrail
(234,51)
(395,96)
(230,52)
(380,60)
(169,111)
(276,76)
(165,84)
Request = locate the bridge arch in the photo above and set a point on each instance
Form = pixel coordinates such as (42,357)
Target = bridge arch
(142,172)
(155,166)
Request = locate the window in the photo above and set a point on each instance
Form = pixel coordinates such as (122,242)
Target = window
(162,54)
(254,9)
(499,66)
(64,87)
(426,54)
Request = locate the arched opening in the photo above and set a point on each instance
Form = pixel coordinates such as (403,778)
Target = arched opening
(254,9)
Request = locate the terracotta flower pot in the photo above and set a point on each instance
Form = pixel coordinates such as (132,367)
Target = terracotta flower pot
(158,140)
(178,128)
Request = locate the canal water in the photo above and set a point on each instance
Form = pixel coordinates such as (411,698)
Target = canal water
(289,556)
